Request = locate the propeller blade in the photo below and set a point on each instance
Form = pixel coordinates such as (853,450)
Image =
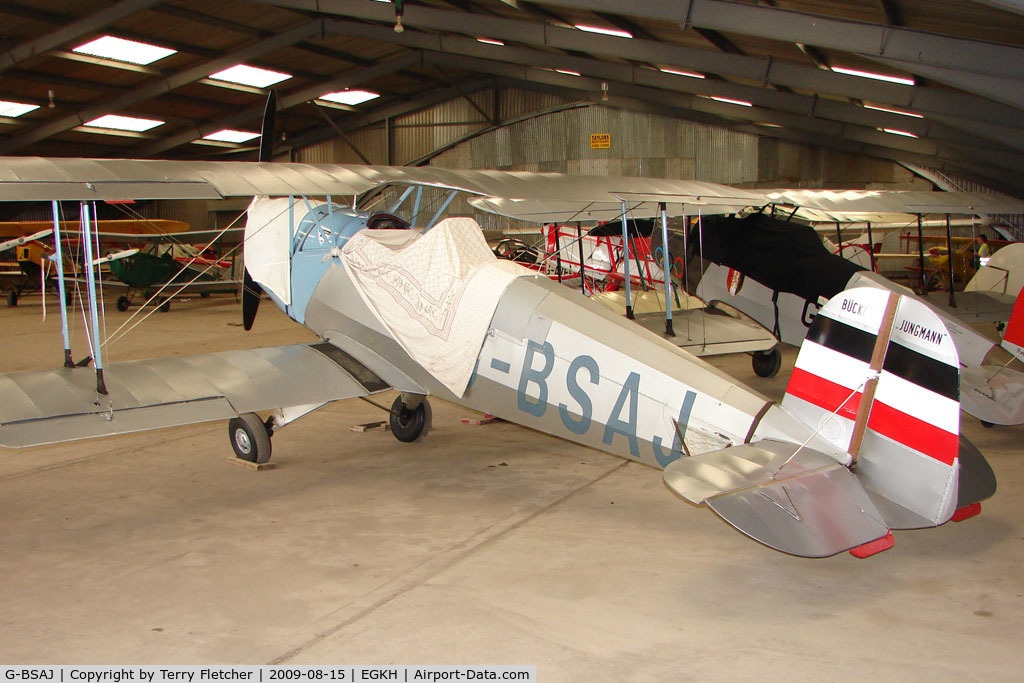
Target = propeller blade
(251,295)
(252,292)
(267,131)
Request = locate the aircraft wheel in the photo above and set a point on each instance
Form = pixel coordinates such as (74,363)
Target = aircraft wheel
(250,438)
(123,303)
(766,363)
(986,425)
(409,425)
(12,298)
(163,305)
(204,295)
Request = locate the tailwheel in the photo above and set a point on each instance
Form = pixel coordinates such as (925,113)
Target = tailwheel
(410,424)
(123,303)
(766,363)
(250,438)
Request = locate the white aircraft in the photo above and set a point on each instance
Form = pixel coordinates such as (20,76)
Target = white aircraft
(866,440)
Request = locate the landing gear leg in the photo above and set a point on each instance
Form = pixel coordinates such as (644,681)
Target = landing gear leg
(250,438)
(410,424)
(766,363)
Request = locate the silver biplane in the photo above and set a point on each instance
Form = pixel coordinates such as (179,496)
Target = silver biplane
(866,440)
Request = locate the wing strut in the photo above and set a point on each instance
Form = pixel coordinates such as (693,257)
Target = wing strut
(667,274)
(625,259)
(58,258)
(90,278)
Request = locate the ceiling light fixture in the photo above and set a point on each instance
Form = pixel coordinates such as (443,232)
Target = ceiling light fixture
(490,41)
(678,72)
(876,76)
(894,131)
(604,31)
(893,111)
(729,100)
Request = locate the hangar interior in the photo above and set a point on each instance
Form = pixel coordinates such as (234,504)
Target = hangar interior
(492,543)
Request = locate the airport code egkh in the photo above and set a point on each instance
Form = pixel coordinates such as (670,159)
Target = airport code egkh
(261,674)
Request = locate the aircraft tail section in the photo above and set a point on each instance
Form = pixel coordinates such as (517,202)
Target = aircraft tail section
(1013,337)
(877,377)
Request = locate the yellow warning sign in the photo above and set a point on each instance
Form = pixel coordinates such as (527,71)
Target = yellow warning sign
(600,141)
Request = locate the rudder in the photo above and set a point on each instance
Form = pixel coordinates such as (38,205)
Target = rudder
(879,377)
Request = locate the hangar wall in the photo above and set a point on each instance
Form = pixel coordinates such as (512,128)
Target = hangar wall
(641,144)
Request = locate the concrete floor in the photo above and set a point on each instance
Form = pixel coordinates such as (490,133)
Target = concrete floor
(482,544)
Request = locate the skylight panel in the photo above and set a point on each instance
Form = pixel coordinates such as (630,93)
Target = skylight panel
(118,122)
(729,100)
(252,76)
(680,72)
(350,97)
(893,111)
(15,109)
(228,135)
(894,131)
(133,52)
(875,76)
(604,31)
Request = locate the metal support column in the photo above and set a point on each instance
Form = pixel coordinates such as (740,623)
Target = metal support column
(625,260)
(871,248)
(58,258)
(949,252)
(666,269)
(579,241)
(90,279)
(444,205)
(920,253)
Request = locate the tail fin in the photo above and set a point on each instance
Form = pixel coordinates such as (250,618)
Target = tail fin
(1013,337)
(878,375)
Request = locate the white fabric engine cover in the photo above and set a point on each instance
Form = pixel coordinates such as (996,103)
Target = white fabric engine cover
(267,247)
(434,292)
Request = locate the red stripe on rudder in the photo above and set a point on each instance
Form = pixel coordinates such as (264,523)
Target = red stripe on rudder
(874,547)
(914,433)
(966,512)
(823,393)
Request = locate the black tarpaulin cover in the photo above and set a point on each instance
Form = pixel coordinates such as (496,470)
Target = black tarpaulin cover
(783,256)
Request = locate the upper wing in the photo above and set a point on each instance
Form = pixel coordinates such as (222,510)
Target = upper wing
(49,406)
(40,179)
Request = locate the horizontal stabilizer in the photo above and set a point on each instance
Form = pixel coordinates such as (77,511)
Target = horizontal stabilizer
(993,393)
(795,500)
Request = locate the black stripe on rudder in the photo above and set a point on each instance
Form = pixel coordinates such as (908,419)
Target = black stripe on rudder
(838,336)
(919,369)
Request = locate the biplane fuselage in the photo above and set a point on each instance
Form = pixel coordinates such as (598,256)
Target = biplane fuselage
(555,361)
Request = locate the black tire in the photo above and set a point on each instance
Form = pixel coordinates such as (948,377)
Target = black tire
(12,298)
(250,439)
(766,363)
(409,425)
(163,305)
(987,425)
(123,303)
(204,295)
